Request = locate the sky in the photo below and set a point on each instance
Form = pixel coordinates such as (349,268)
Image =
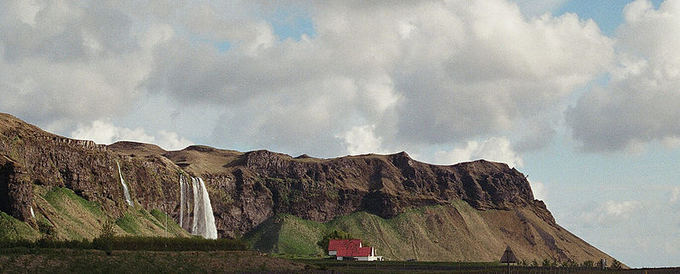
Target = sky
(582,96)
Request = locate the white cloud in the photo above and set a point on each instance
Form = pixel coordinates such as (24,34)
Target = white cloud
(540,192)
(639,104)
(103,132)
(361,140)
(610,212)
(493,149)
(675,194)
(64,61)
(620,209)
(393,66)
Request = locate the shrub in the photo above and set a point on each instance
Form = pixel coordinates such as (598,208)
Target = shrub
(106,236)
(588,263)
(545,263)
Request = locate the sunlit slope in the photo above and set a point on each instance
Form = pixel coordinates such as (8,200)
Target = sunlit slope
(64,215)
(455,232)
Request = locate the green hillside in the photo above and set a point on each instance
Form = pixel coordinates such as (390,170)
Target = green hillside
(64,215)
(456,232)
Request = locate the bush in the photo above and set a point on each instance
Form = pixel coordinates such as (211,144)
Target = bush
(616,264)
(110,243)
(47,230)
(545,263)
(588,263)
(106,236)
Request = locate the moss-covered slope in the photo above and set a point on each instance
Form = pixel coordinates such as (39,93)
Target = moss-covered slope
(455,232)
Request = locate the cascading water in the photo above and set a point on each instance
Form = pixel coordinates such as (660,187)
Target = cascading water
(181,200)
(203,221)
(197,203)
(126,193)
(32,213)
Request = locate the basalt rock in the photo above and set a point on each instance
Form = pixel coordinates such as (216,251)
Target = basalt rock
(246,188)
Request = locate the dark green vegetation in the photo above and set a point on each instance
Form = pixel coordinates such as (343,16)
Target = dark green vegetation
(13,229)
(134,243)
(457,267)
(61,214)
(39,260)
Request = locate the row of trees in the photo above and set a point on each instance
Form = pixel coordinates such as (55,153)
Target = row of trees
(570,264)
(109,241)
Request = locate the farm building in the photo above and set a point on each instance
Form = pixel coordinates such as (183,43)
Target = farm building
(351,249)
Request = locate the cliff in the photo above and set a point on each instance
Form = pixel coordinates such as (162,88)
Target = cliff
(249,190)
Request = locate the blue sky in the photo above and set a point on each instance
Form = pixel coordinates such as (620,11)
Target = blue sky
(607,13)
(587,109)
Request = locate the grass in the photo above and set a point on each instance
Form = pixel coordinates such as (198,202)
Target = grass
(39,260)
(134,243)
(453,232)
(12,229)
(128,223)
(75,218)
(331,265)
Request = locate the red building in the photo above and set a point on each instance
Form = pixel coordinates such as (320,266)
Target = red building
(351,249)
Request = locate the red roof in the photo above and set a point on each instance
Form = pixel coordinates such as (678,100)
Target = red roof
(349,248)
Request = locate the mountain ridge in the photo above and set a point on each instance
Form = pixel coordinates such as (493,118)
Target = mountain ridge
(249,188)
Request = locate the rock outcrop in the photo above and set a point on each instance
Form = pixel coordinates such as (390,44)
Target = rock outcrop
(248,188)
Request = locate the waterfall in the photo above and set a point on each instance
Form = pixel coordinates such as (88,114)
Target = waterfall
(126,193)
(181,201)
(203,221)
(197,203)
(32,213)
(207,226)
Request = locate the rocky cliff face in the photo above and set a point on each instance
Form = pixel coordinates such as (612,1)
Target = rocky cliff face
(247,188)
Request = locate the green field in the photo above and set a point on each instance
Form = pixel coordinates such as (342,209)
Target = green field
(40,260)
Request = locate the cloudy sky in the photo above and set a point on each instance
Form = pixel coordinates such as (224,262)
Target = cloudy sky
(582,96)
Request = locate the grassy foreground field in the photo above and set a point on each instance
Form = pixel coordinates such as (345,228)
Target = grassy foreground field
(38,260)
(64,260)
(457,267)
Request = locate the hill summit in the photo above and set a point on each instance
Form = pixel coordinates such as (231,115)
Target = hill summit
(404,208)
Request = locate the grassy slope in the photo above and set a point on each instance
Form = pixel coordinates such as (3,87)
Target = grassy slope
(439,233)
(13,229)
(74,218)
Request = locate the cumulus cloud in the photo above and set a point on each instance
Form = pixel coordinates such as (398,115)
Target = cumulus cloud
(416,82)
(104,132)
(675,194)
(639,104)
(65,60)
(610,212)
(425,73)
(492,149)
(361,140)
(540,192)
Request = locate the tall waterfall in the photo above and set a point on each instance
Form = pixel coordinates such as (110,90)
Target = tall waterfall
(203,222)
(126,193)
(32,213)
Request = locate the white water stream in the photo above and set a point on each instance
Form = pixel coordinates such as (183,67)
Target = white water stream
(126,193)
(203,222)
